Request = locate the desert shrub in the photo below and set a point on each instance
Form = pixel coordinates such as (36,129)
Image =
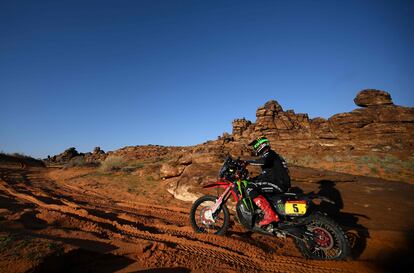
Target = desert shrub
(128,169)
(132,166)
(305,160)
(389,163)
(6,241)
(113,163)
(20,155)
(79,161)
(18,158)
(374,170)
(137,165)
(330,158)
(409,164)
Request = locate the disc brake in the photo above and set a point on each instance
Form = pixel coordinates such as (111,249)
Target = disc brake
(207,217)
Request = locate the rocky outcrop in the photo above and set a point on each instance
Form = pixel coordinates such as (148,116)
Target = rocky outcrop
(147,151)
(96,156)
(372,97)
(239,126)
(71,155)
(376,139)
(63,157)
(377,130)
(381,118)
(175,167)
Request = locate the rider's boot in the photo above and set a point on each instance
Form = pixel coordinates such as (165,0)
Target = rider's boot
(269,215)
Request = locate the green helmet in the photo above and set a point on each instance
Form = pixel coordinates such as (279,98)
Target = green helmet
(259,145)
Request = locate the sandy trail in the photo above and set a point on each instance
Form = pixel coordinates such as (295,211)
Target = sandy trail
(108,231)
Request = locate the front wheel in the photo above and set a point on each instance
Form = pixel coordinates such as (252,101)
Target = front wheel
(327,240)
(204,221)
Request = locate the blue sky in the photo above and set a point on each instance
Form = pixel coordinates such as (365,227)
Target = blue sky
(118,73)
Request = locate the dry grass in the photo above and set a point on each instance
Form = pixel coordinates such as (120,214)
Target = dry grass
(81,162)
(113,163)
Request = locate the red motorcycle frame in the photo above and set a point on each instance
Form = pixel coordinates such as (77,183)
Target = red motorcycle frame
(228,190)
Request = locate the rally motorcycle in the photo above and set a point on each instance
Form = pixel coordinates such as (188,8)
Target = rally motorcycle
(314,233)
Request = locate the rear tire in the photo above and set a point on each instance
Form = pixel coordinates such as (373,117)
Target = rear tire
(330,241)
(201,225)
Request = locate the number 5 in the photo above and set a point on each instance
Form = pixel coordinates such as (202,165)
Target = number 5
(295,208)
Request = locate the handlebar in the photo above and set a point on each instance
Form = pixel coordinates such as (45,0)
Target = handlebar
(234,168)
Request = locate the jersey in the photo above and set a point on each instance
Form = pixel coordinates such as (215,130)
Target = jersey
(274,170)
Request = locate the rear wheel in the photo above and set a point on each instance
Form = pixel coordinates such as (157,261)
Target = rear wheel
(204,221)
(328,241)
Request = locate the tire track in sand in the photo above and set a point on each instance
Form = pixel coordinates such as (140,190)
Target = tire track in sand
(182,240)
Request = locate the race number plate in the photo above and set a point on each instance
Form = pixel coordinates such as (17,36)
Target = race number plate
(295,207)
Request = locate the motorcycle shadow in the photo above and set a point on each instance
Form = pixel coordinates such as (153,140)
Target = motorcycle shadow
(247,237)
(357,234)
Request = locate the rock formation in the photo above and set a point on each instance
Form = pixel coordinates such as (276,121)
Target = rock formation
(376,139)
(63,157)
(367,140)
(72,155)
(372,97)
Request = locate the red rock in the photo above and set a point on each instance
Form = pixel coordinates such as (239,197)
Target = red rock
(372,97)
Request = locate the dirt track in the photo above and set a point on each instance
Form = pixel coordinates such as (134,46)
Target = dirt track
(105,229)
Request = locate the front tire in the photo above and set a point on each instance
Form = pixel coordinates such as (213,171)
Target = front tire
(328,242)
(203,221)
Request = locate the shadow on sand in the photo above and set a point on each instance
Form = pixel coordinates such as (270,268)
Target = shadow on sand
(357,234)
(83,261)
(165,270)
(402,259)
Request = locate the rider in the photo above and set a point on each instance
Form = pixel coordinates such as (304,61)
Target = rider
(273,179)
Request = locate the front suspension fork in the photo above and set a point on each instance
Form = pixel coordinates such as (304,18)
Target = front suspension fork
(222,199)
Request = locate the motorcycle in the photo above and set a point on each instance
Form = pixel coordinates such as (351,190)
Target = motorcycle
(314,233)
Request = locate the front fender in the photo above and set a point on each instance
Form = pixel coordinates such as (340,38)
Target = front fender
(218,184)
(224,185)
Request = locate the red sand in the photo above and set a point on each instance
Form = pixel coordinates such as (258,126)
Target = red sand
(65,221)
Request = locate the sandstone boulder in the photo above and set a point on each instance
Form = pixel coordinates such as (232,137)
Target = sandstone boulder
(185,159)
(372,97)
(169,170)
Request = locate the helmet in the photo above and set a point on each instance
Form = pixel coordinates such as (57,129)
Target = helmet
(259,145)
